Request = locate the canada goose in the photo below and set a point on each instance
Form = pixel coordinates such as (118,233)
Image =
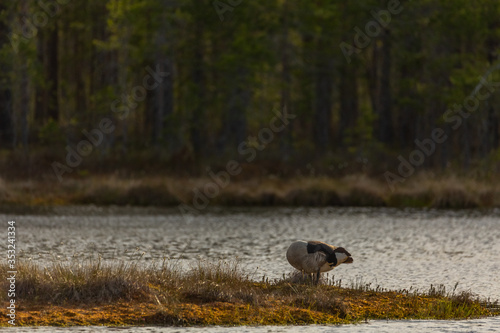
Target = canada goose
(316,257)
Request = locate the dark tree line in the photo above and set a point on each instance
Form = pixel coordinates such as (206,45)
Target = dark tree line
(63,64)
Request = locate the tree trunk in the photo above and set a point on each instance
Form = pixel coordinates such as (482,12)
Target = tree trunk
(6,134)
(493,129)
(323,98)
(234,131)
(198,77)
(386,133)
(286,82)
(21,106)
(349,108)
(446,147)
(163,97)
(380,88)
(47,103)
(323,106)
(21,110)
(123,83)
(466,145)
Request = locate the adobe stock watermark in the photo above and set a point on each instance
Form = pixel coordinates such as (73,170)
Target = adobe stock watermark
(222,7)
(247,149)
(121,108)
(373,28)
(453,116)
(11,272)
(29,26)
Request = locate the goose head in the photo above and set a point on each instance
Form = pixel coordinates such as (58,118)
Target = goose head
(343,257)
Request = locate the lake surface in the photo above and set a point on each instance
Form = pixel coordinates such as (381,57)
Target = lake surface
(392,248)
(378,326)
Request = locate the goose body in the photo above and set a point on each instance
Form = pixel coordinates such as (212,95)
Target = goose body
(316,257)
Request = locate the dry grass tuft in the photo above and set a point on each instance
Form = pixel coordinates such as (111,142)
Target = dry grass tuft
(113,191)
(364,196)
(220,282)
(94,282)
(454,197)
(362,191)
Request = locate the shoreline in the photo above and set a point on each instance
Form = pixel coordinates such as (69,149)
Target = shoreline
(195,194)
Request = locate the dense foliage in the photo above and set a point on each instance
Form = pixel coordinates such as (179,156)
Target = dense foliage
(197,79)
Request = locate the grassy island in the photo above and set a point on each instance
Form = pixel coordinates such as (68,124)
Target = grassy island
(97,293)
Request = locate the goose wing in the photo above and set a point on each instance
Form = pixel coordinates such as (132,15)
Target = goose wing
(326,249)
(317,246)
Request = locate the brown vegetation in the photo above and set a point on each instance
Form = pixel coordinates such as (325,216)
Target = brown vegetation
(353,190)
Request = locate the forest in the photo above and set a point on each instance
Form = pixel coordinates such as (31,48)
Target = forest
(283,87)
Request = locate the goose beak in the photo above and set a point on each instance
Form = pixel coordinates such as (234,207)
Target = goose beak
(349,260)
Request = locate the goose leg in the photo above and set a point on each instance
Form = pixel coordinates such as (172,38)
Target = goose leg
(317,276)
